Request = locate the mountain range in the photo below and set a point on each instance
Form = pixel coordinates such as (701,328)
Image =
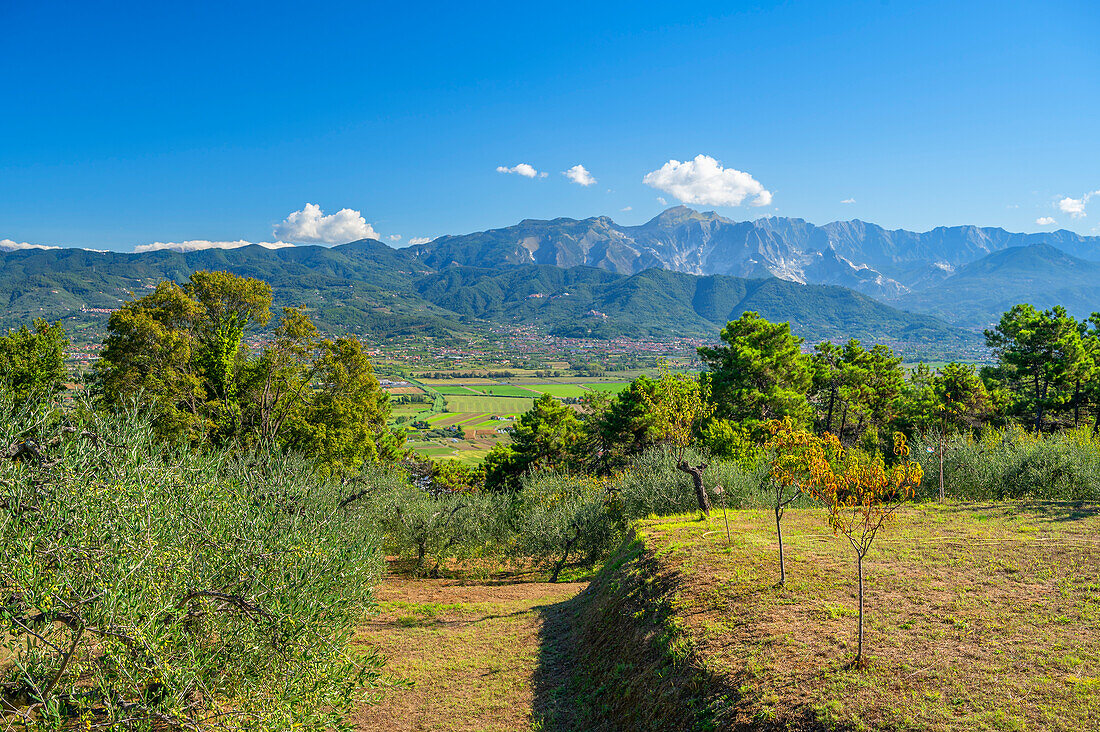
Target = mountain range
(886,264)
(368,288)
(683,273)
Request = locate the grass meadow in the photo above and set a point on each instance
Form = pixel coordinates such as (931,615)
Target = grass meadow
(979,616)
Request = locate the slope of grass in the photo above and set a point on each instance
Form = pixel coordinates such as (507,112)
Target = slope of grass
(979,617)
(464,654)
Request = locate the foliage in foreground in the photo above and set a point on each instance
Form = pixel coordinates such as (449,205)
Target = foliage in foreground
(147,585)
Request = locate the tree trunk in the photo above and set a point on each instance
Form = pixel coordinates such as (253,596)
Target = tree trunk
(1040,395)
(779,532)
(829,419)
(696,473)
(565,555)
(859,648)
(1077,403)
(942,439)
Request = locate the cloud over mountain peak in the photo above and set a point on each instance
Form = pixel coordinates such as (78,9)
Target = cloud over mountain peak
(705,182)
(312,226)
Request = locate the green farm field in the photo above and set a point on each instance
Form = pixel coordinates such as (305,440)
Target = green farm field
(500,406)
(471,404)
(613,387)
(507,390)
(407,410)
(562,390)
(452,389)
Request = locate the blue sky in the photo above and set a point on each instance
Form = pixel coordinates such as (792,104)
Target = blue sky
(128,124)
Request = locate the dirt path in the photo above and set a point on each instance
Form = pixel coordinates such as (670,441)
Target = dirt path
(470,652)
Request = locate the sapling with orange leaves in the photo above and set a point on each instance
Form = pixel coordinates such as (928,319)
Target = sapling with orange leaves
(863,494)
(801,463)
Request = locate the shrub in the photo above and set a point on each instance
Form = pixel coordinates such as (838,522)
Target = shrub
(1012,464)
(150,583)
(652,484)
(561,515)
(435,528)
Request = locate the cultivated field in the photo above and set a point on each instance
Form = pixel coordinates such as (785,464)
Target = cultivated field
(484,409)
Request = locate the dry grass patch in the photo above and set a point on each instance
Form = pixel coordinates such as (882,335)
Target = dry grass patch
(979,617)
(462,656)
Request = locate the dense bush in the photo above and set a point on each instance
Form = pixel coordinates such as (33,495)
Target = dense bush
(432,528)
(1012,463)
(148,585)
(559,516)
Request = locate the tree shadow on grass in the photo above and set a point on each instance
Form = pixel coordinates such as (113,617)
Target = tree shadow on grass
(1062,511)
(558,705)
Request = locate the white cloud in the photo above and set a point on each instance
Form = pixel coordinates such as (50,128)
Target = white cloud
(419,240)
(524,169)
(849,200)
(1045,221)
(627,208)
(662,201)
(194,245)
(1075,207)
(579,175)
(7,245)
(395,237)
(704,181)
(311,226)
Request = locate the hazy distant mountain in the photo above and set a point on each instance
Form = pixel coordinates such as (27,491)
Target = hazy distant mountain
(977,293)
(880,262)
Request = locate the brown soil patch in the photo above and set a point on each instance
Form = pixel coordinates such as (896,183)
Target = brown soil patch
(405,390)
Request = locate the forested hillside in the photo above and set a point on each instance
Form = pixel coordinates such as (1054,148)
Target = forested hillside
(369,288)
(1039,274)
(679,274)
(654,303)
